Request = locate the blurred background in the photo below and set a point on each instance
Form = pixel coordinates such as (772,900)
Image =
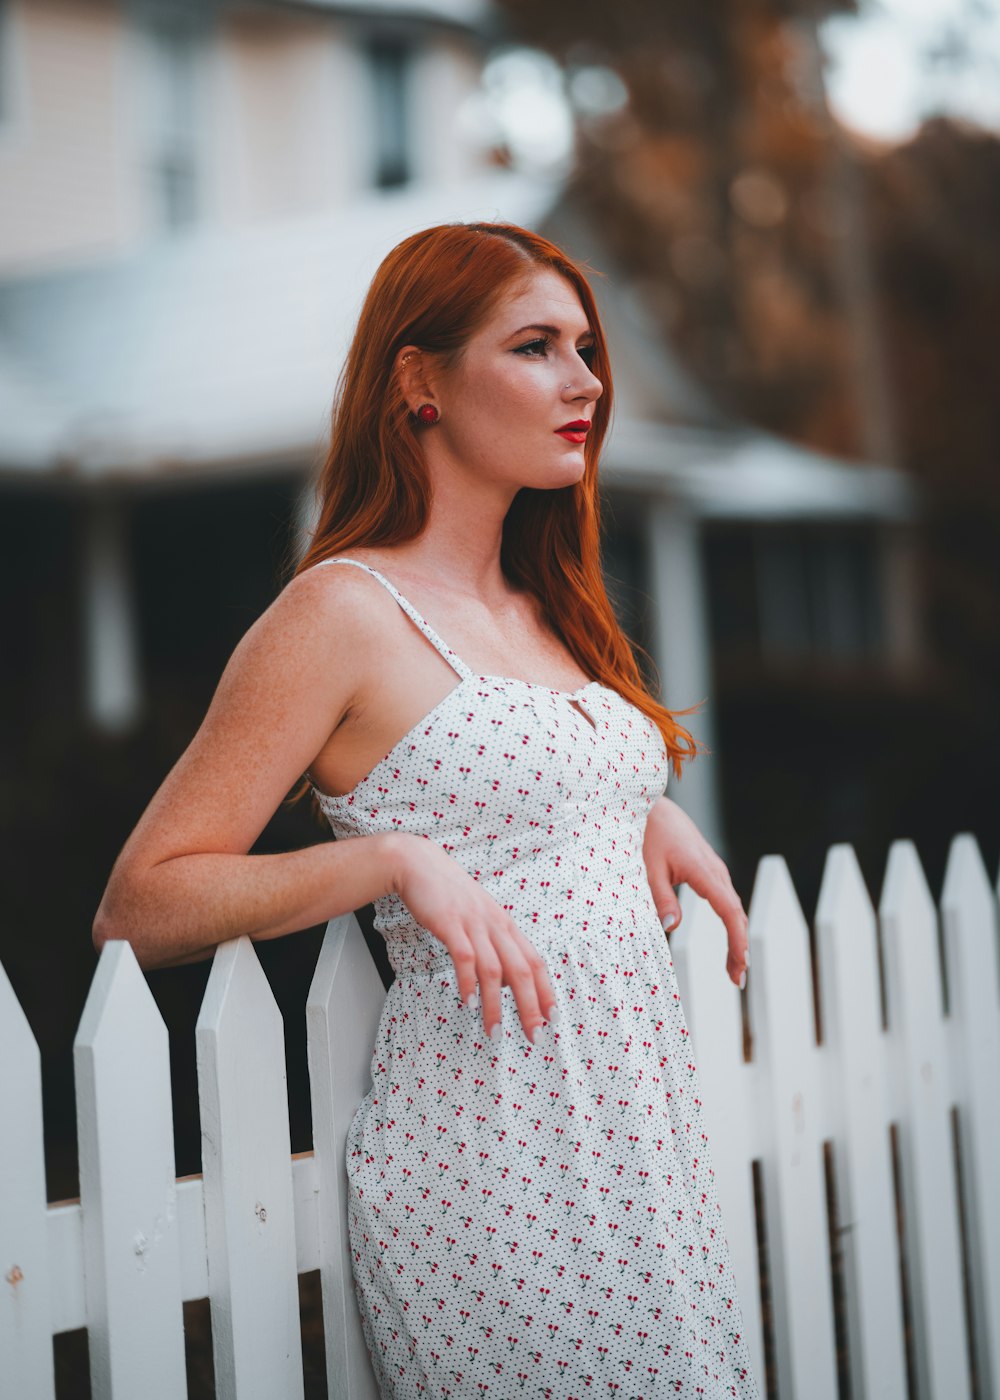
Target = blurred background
(792,212)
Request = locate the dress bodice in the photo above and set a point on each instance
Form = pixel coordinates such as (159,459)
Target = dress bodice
(542,795)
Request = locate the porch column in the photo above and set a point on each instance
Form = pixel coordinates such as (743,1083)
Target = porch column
(681,647)
(111,683)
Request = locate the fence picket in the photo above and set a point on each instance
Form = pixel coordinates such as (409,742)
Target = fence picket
(712,1010)
(780,1004)
(25,1312)
(247,1178)
(128,1188)
(927,1167)
(342,1013)
(854,1047)
(972,960)
(121,1259)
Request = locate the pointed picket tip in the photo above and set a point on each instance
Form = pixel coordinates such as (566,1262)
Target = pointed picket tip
(969,935)
(850,984)
(17,1040)
(905,891)
(119,999)
(343,943)
(711,1000)
(237,988)
(965,877)
(774,904)
(26,1362)
(843,895)
(780,980)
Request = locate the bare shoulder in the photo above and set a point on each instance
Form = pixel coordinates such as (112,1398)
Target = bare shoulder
(328,613)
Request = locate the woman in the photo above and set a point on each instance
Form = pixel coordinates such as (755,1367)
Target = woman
(499,796)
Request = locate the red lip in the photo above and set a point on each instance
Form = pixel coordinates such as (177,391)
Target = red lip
(580,425)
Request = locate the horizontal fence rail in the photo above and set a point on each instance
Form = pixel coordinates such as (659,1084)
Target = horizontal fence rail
(855,1151)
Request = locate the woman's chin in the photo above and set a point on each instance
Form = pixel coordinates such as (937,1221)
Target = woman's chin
(565,473)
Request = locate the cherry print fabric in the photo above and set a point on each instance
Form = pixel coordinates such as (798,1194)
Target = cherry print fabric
(535,1220)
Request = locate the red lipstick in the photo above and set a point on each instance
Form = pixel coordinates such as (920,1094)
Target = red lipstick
(575,431)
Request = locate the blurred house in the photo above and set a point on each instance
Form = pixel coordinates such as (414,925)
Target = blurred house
(195,199)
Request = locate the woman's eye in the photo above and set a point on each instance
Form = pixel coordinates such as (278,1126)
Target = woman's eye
(541,347)
(533,346)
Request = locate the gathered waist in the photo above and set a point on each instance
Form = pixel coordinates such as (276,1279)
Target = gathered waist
(416,955)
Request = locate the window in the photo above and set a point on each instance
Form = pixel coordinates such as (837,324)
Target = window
(6,105)
(800,592)
(818,593)
(173,118)
(391,63)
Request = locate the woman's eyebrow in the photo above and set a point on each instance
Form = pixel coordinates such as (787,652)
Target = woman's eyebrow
(550,330)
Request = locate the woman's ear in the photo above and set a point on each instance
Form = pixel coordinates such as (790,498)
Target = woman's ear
(411,368)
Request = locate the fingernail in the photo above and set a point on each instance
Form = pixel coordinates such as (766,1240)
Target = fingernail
(746,958)
(495,1032)
(536,1032)
(553,1014)
(472,1002)
(668,922)
(743,979)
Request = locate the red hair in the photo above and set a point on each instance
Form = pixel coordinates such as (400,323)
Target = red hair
(434,290)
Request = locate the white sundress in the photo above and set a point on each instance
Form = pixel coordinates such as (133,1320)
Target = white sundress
(538,1220)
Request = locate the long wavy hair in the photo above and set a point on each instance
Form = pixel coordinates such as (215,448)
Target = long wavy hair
(434,290)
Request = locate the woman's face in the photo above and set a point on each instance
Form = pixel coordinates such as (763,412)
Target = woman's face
(524,375)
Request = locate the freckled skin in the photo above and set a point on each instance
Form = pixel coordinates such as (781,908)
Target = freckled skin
(579,1155)
(333,673)
(311,682)
(500,408)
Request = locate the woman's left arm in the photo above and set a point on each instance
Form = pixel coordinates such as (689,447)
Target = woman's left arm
(676,853)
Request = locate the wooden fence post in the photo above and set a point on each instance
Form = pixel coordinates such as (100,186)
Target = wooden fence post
(25,1311)
(128,1187)
(247,1170)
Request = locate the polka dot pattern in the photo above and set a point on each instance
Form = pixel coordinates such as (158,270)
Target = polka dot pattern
(535,1219)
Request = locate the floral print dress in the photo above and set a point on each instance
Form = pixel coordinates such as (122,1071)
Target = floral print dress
(536,1220)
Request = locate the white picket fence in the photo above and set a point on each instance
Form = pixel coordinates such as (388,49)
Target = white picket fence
(121,1260)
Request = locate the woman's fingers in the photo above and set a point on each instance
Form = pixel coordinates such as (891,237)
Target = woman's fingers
(489,970)
(713,883)
(522,983)
(668,907)
(463,955)
(486,945)
(729,907)
(504,957)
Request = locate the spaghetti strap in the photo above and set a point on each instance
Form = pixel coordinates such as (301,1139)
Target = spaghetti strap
(452,658)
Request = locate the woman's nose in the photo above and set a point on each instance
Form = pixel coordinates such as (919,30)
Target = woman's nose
(585,384)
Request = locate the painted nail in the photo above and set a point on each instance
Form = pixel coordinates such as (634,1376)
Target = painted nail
(553,1015)
(668,922)
(473,1001)
(536,1032)
(495,1032)
(743,979)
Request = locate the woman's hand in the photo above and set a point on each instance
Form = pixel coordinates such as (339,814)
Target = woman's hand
(484,942)
(676,853)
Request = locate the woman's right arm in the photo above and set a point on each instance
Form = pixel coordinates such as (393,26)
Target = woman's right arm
(184,882)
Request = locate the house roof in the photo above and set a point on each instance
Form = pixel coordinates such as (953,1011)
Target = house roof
(217,352)
(213,347)
(469,14)
(742,473)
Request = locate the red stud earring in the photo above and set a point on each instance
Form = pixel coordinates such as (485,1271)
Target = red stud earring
(427,413)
